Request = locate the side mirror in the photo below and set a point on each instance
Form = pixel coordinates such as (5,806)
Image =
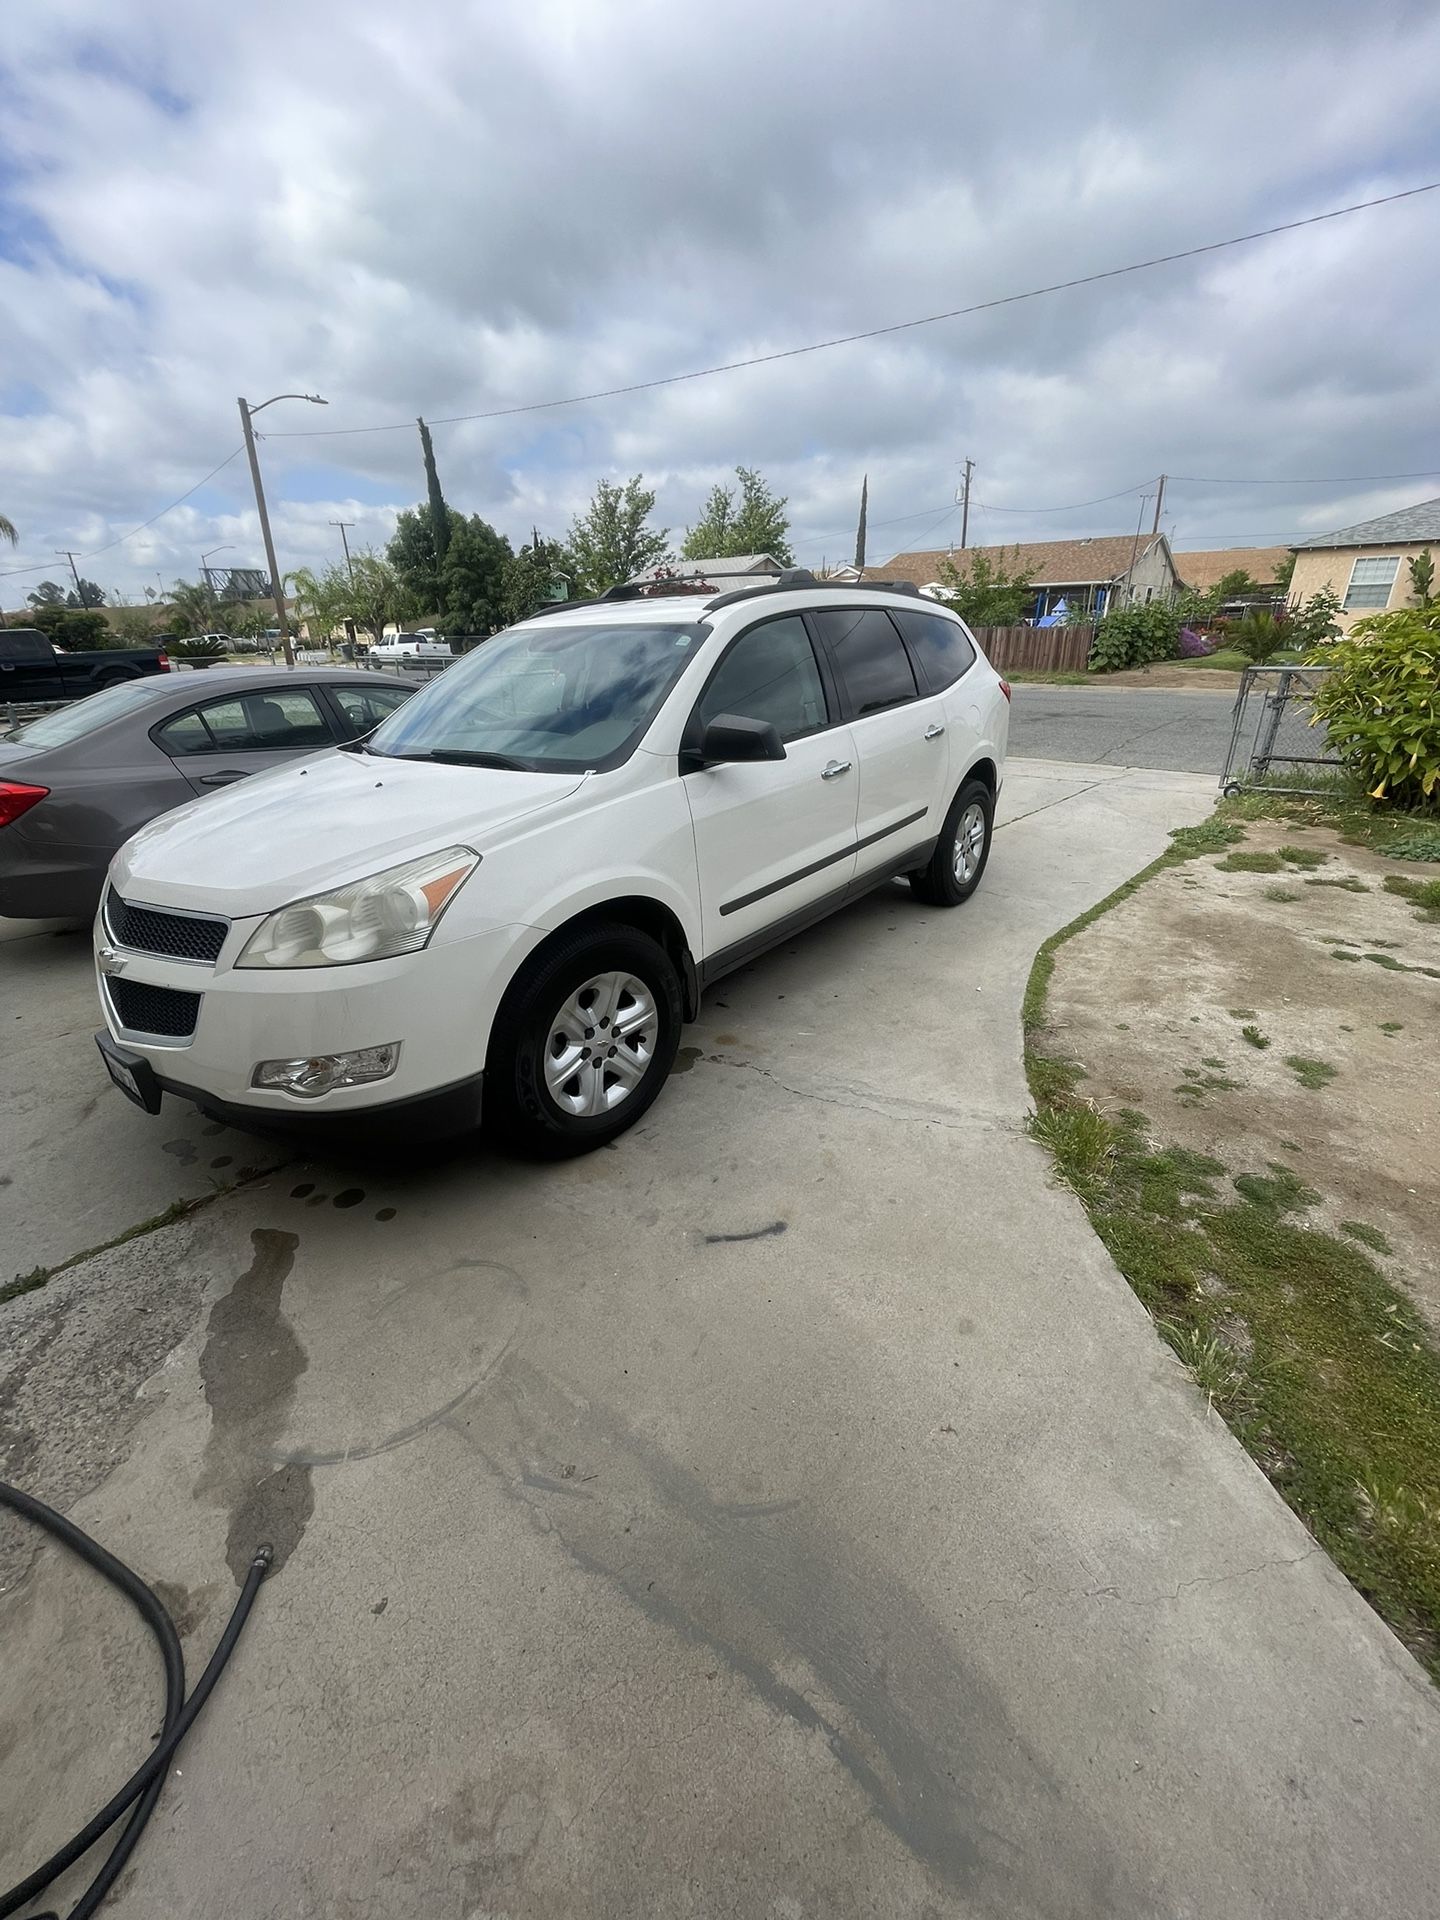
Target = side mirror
(732,736)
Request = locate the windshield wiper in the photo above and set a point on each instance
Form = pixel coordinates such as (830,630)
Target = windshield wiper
(468,757)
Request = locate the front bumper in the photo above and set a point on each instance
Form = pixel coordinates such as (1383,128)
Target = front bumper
(436,1115)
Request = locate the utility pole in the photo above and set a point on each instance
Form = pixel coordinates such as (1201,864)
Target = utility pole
(79,597)
(965,507)
(1159,500)
(277,587)
(860,528)
(342,525)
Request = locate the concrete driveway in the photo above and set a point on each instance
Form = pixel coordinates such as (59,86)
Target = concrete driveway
(788,1511)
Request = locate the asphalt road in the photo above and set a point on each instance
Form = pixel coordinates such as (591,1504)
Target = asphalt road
(790,1512)
(1123,727)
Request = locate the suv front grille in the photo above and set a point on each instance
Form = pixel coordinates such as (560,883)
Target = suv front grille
(160,1010)
(178,936)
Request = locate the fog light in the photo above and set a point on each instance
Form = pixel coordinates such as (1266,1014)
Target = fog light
(323,1072)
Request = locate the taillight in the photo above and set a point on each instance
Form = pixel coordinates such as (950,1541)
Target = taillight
(164,661)
(1005,688)
(16,798)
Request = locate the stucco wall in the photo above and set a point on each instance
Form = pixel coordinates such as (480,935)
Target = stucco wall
(1330,567)
(1152,574)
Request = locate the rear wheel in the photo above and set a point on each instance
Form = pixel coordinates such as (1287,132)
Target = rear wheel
(954,869)
(583,1042)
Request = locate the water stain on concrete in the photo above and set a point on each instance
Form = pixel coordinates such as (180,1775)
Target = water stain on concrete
(775,1228)
(303,1191)
(249,1366)
(386,1213)
(351,1197)
(183,1150)
(685,1059)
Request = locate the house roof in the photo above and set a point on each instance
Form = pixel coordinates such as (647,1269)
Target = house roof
(1404,528)
(1049,563)
(731,564)
(1205,569)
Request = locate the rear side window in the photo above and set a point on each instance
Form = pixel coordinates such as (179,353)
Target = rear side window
(281,719)
(870,656)
(940,645)
(366,707)
(770,674)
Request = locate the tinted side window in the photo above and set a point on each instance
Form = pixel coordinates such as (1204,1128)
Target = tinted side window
(277,720)
(366,707)
(939,645)
(872,660)
(27,644)
(770,674)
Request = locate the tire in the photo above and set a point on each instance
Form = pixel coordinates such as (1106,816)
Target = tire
(956,867)
(547,1025)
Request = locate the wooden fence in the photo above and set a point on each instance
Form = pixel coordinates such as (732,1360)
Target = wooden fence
(1036,649)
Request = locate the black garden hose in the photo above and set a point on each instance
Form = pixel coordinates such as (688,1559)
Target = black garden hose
(144,1786)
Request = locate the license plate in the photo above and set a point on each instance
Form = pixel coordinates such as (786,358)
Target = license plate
(125,1079)
(133,1077)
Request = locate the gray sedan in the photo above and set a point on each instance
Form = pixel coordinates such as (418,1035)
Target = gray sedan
(75,784)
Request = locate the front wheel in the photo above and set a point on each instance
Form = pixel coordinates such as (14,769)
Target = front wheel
(954,869)
(583,1042)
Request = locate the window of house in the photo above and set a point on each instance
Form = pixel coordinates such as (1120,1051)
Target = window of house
(770,674)
(1370,583)
(871,657)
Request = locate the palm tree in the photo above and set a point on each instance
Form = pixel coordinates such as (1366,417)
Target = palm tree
(7,530)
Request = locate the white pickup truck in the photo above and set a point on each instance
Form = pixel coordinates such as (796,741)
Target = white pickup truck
(399,648)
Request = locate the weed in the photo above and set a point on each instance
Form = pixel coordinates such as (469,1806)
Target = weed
(1306,857)
(1209,1060)
(1211,836)
(39,1276)
(1284,1192)
(1337,954)
(1367,1236)
(1249,863)
(1208,1358)
(1255,1037)
(1417,840)
(1241,1013)
(1084,1144)
(1280,895)
(1313,1074)
(1052,1079)
(1376,942)
(1291,1146)
(1386,960)
(1392,1026)
(1424,894)
(1347,884)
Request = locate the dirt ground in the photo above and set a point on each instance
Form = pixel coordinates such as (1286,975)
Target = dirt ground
(1152,999)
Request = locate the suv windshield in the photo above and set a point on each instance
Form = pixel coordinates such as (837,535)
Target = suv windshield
(544,699)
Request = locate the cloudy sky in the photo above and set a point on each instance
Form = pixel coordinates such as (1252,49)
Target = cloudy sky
(451,207)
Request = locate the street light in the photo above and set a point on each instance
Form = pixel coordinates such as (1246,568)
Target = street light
(205,571)
(247,414)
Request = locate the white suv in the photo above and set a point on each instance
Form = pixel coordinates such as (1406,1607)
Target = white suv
(525,878)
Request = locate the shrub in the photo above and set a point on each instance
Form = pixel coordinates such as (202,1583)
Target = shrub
(197,649)
(1312,622)
(1380,704)
(1195,646)
(1261,633)
(1134,636)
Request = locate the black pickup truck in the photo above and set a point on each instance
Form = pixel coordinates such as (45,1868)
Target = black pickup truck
(32,669)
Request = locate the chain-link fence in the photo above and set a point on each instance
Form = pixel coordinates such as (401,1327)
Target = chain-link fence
(1275,741)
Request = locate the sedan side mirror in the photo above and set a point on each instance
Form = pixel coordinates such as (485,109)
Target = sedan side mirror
(733,736)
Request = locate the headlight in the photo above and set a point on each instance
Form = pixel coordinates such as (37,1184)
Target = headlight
(374,919)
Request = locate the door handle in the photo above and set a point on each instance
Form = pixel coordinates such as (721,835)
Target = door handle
(835,769)
(221,779)
(933,733)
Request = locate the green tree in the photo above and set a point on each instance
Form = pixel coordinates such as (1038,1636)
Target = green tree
(1284,573)
(473,577)
(1313,623)
(47,594)
(439,512)
(757,524)
(192,607)
(1422,577)
(133,626)
(1378,704)
(988,593)
(411,552)
(87,594)
(1235,585)
(530,577)
(323,599)
(73,628)
(368,591)
(611,541)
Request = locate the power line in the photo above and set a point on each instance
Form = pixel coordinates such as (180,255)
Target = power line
(874,333)
(1325,480)
(122,538)
(1074,506)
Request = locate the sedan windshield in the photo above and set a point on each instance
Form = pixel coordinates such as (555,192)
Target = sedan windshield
(544,699)
(58,729)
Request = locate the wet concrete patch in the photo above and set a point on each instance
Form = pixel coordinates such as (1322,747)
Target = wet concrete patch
(351,1197)
(773,1231)
(183,1151)
(249,1366)
(685,1059)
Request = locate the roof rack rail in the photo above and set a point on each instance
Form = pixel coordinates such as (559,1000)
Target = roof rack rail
(797,579)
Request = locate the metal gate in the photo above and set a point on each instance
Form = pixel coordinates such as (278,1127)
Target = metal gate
(1275,741)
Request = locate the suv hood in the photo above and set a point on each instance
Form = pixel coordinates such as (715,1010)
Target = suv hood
(316,824)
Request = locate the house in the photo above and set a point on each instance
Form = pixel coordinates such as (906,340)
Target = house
(1088,575)
(1204,570)
(732,566)
(1366,564)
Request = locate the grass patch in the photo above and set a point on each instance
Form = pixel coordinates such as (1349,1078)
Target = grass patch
(1313,1074)
(1337,953)
(1322,1368)
(1020,676)
(1224,659)
(1338,801)
(1241,1013)
(1424,894)
(1249,863)
(1367,1236)
(1280,895)
(1392,1026)
(1348,884)
(1254,1037)
(1307,857)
